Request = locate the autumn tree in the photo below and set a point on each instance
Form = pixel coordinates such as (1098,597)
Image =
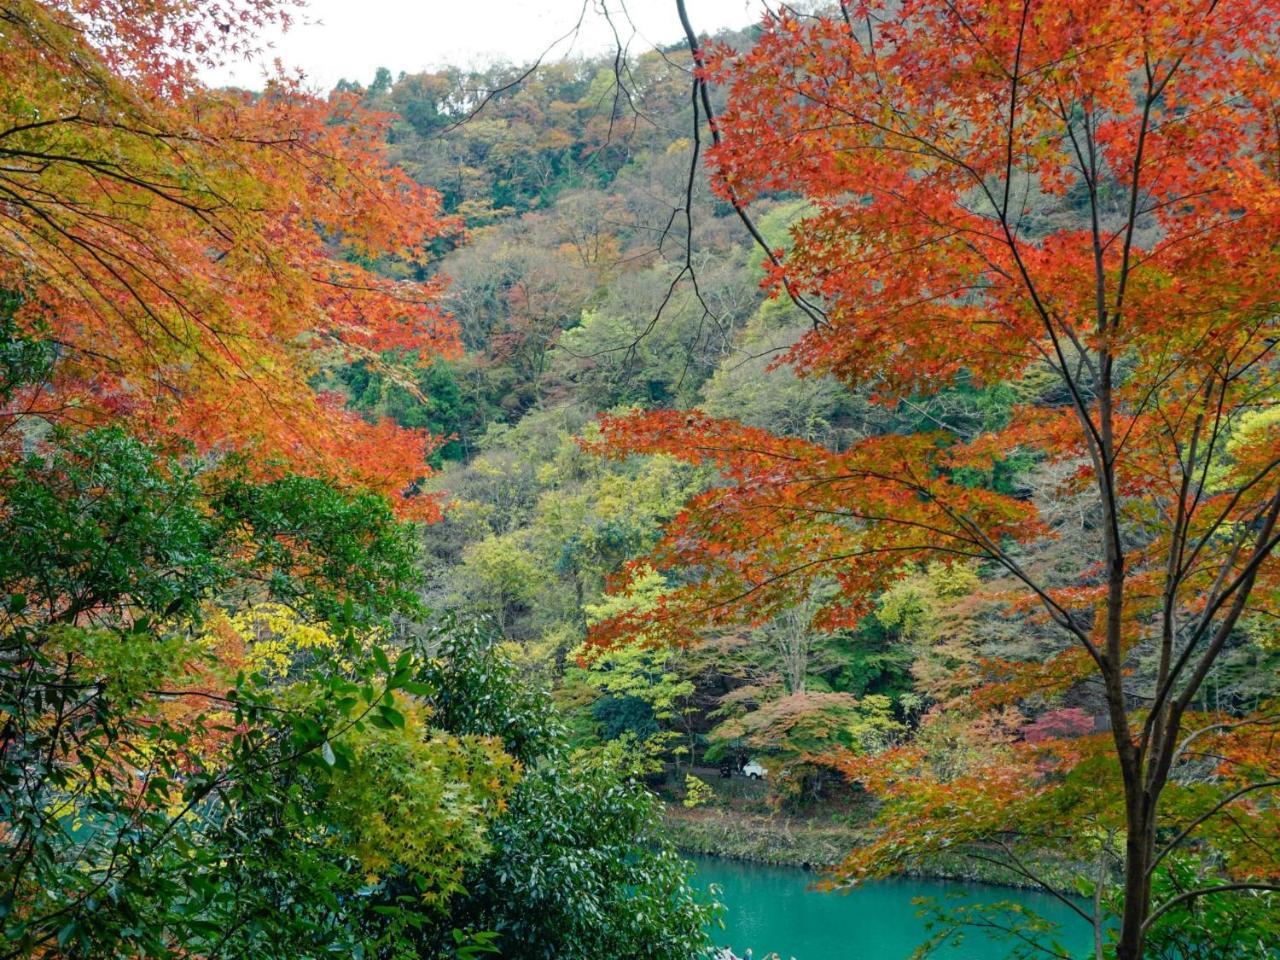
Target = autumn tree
(193,255)
(1083,195)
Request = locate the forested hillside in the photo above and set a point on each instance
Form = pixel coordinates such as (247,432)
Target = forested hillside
(571,183)
(583,289)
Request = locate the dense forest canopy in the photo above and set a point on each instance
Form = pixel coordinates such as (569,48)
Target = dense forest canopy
(420,501)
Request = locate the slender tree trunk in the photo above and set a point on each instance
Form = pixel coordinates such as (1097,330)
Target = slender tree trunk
(1137,885)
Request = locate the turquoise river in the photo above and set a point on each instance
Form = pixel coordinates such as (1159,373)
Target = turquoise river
(773,909)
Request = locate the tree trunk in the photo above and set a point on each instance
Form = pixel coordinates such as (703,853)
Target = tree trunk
(1137,888)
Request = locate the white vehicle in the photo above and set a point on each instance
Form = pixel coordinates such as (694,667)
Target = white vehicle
(755,770)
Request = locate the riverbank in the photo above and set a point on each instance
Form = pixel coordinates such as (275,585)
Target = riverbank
(812,844)
(769,839)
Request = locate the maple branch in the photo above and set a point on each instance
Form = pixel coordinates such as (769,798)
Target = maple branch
(1019,867)
(1060,615)
(1176,546)
(1013,109)
(1265,721)
(1211,812)
(1013,931)
(817,316)
(1240,588)
(1204,892)
(197,796)
(490,95)
(1089,171)
(823,561)
(1224,514)
(990,549)
(37,124)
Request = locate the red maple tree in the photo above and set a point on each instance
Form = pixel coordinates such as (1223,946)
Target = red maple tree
(1076,190)
(197,255)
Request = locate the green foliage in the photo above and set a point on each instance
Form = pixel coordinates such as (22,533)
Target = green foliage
(539,525)
(418,800)
(473,689)
(1024,933)
(502,575)
(580,870)
(914,605)
(626,716)
(100,520)
(339,824)
(1234,926)
(24,360)
(331,552)
(332,797)
(154,800)
(646,674)
(437,403)
(867,661)
(644,690)
(613,360)
(576,865)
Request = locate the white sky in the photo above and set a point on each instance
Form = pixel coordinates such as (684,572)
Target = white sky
(334,39)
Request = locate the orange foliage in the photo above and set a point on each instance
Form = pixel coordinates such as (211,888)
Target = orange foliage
(1080,190)
(793,512)
(196,255)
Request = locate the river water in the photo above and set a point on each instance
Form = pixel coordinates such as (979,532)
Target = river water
(772,909)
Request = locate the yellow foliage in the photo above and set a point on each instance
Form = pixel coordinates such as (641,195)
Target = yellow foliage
(420,799)
(274,637)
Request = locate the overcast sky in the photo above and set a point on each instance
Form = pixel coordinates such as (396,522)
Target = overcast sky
(352,38)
